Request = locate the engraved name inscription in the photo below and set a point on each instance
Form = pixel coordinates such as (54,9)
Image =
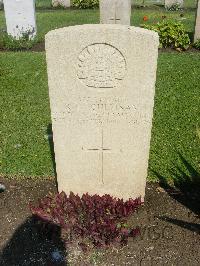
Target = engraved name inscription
(101,65)
(100,110)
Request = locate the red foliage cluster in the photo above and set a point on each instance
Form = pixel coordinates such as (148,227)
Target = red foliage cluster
(101,219)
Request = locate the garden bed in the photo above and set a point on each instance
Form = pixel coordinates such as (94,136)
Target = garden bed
(169,226)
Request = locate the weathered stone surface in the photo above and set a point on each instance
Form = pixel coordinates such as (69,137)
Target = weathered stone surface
(101,86)
(20,17)
(115,12)
(169,3)
(197,25)
(63,3)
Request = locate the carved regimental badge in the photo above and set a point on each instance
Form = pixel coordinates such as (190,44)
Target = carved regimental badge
(101,66)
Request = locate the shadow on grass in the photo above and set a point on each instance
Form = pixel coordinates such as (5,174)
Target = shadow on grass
(32,245)
(186,190)
(155,6)
(51,146)
(52,9)
(191,35)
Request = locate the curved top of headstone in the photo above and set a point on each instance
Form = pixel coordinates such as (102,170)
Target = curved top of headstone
(101,28)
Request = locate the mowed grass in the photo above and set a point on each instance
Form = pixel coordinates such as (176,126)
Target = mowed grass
(25,115)
(51,19)
(176,123)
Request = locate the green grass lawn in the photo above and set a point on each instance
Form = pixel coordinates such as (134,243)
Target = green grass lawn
(52,19)
(25,110)
(26,116)
(43,3)
(24,100)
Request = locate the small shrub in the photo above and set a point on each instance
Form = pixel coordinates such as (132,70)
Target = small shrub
(197,44)
(100,219)
(58,5)
(174,7)
(23,43)
(83,4)
(171,34)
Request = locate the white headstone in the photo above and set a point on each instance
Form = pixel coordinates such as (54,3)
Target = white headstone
(20,17)
(62,3)
(115,12)
(170,3)
(101,84)
(197,25)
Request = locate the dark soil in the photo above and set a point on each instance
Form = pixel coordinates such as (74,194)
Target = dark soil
(40,47)
(169,225)
(168,50)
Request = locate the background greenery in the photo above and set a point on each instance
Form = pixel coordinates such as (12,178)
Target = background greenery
(55,18)
(24,104)
(187,3)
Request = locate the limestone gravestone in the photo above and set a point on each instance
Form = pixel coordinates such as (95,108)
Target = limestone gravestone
(62,3)
(170,3)
(197,25)
(101,85)
(20,17)
(115,12)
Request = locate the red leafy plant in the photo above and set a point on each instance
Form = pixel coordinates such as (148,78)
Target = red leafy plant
(101,219)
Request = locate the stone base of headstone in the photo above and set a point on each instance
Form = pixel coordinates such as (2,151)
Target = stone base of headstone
(197,25)
(20,18)
(61,3)
(171,3)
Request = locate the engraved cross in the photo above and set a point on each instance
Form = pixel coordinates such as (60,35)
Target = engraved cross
(102,149)
(115,19)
